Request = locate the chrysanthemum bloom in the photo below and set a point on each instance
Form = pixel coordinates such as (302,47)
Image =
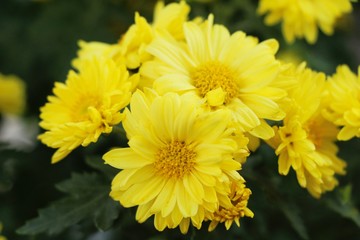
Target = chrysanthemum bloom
(87,105)
(305,142)
(232,72)
(12,94)
(302,18)
(179,160)
(344,102)
(239,197)
(169,18)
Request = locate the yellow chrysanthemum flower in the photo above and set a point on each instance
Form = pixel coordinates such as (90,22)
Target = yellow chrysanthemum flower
(302,18)
(89,50)
(12,94)
(344,107)
(179,160)
(228,71)
(239,197)
(305,142)
(168,18)
(87,105)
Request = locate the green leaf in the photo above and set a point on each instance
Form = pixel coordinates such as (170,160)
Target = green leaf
(62,214)
(80,184)
(97,163)
(88,199)
(292,214)
(7,174)
(285,204)
(107,213)
(344,205)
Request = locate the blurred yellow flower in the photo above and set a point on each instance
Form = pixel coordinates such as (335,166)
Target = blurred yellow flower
(306,141)
(87,105)
(344,103)
(289,56)
(179,160)
(1,236)
(227,71)
(302,18)
(12,94)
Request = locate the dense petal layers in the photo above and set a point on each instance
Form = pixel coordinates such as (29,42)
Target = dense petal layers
(85,106)
(180,160)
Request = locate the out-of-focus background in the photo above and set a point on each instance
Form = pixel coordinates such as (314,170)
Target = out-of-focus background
(38,40)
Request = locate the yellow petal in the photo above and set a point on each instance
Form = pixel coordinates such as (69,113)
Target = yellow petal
(263,131)
(215,97)
(194,188)
(186,205)
(347,133)
(166,199)
(143,192)
(124,158)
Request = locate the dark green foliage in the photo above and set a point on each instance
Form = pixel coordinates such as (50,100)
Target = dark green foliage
(343,204)
(87,198)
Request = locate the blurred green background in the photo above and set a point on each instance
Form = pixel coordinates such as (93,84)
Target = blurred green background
(38,40)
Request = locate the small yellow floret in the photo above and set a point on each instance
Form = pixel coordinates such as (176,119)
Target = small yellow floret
(239,197)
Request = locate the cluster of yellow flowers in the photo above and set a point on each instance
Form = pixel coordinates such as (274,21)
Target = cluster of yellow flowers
(194,99)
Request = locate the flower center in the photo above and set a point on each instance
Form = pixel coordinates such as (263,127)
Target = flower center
(175,160)
(80,111)
(316,131)
(212,75)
